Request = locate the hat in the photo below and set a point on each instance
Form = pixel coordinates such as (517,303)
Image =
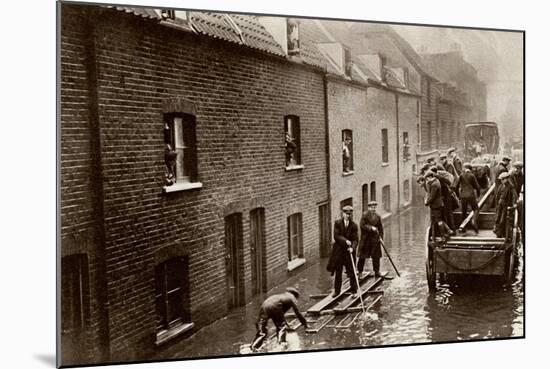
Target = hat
(372,203)
(293,291)
(440,167)
(452,149)
(431,159)
(347,209)
(429,174)
(506,158)
(518,164)
(468,165)
(504,175)
(433,169)
(443,156)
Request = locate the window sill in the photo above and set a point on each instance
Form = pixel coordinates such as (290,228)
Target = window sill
(345,174)
(385,164)
(293,264)
(181,186)
(294,167)
(167,335)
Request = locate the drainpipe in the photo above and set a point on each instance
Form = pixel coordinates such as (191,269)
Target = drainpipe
(97,177)
(327,156)
(398,152)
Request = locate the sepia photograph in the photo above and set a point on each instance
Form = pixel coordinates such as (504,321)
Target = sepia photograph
(235,184)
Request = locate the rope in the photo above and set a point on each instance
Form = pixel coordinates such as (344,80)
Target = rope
(482,266)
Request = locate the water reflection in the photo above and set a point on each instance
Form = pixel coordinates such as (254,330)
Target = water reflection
(460,309)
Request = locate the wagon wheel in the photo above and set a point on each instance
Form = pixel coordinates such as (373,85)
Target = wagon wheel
(430,273)
(511,258)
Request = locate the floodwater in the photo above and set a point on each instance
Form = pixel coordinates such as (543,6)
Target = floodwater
(470,308)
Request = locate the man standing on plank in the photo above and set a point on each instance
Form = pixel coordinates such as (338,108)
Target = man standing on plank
(371,233)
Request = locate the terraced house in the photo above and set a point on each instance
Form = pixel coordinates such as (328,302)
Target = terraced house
(193,171)
(204,157)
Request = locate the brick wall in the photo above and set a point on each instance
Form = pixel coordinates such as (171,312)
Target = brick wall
(241,97)
(80,203)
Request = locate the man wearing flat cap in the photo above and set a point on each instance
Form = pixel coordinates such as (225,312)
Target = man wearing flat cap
(449,167)
(346,235)
(516,176)
(435,201)
(502,167)
(274,308)
(506,197)
(453,157)
(372,232)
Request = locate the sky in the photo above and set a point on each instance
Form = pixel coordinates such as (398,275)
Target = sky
(498,58)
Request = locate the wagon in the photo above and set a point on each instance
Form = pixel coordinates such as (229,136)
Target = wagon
(475,254)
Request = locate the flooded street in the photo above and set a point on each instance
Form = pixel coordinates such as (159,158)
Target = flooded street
(465,309)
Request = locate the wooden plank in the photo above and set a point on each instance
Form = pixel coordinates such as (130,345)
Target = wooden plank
(463,261)
(329,300)
(322,323)
(479,204)
(347,302)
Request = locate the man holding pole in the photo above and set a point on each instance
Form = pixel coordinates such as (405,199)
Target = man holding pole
(372,232)
(343,250)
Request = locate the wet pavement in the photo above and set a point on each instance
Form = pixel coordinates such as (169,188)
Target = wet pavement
(470,308)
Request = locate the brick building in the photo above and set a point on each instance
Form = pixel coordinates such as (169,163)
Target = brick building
(203,99)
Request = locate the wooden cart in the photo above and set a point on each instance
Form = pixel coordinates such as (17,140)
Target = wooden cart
(475,254)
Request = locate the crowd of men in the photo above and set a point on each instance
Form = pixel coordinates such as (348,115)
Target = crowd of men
(450,185)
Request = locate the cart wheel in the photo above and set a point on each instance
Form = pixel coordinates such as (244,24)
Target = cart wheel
(510,267)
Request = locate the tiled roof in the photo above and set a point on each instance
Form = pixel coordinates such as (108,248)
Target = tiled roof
(310,35)
(141,12)
(215,25)
(255,34)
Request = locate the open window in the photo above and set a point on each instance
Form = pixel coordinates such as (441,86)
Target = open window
(180,152)
(292,141)
(347,151)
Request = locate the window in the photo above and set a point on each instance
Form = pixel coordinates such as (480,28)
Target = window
(386,201)
(417,108)
(292,141)
(365,192)
(295,245)
(74,294)
(406,146)
(168,14)
(373,191)
(442,138)
(180,153)
(346,202)
(347,150)
(172,295)
(406,191)
(406,77)
(385,158)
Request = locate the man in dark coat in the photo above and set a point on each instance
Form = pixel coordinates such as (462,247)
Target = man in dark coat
(435,201)
(457,163)
(372,232)
(506,197)
(446,180)
(502,167)
(516,176)
(468,190)
(449,167)
(346,235)
(274,308)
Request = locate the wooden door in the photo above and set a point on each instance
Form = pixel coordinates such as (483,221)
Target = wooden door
(257,250)
(233,245)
